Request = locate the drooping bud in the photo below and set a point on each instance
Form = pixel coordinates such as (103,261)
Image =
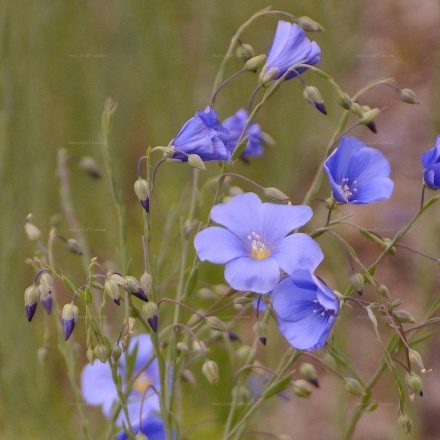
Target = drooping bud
(309,25)
(101,353)
(88,164)
(216,324)
(344,101)
(357,281)
(353,386)
(46,298)
(116,352)
(69,316)
(31,297)
(384,291)
(90,355)
(135,288)
(368,118)
(309,372)
(403,316)
(254,63)
(245,52)
(182,347)
(416,360)
(246,353)
(142,193)
(405,421)
(188,376)
(205,293)
(408,96)
(268,75)
(73,246)
(313,96)
(261,331)
(241,393)
(32,232)
(301,388)
(111,289)
(210,371)
(146,282)
(414,382)
(195,161)
(275,193)
(150,311)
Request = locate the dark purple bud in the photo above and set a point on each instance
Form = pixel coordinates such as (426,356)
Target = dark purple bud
(47,303)
(263,340)
(68,326)
(321,107)
(153,322)
(69,316)
(146,204)
(117,301)
(233,336)
(30,311)
(372,126)
(141,295)
(150,310)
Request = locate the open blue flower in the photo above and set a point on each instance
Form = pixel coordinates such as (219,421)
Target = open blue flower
(358,174)
(306,310)
(290,46)
(431,166)
(235,124)
(98,388)
(152,427)
(203,135)
(254,242)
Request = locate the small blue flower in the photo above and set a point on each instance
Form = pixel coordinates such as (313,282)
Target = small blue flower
(203,135)
(431,166)
(306,310)
(153,428)
(290,46)
(358,174)
(235,125)
(254,242)
(98,387)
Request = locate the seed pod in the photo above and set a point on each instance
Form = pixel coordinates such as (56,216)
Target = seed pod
(245,52)
(405,421)
(414,382)
(353,386)
(101,353)
(195,161)
(403,316)
(408,96)
(309,25)
(90,355)
(210,371)
(254,63)
(276,194)
(383,291)
(357,281)
(416,360)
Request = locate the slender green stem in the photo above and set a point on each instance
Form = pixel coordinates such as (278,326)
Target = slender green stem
(223,84)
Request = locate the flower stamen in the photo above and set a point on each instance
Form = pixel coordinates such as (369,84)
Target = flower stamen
(142,383)
(259,250)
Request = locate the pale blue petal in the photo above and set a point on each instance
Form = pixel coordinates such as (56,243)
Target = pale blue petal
(247,274)
(433,155)
(375,190)
(218,245)
(297,252)
(431,176)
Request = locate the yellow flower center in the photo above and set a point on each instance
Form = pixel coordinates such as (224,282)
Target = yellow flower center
(142,383)
(259,251)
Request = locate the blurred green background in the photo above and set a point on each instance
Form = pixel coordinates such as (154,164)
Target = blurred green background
(157,59)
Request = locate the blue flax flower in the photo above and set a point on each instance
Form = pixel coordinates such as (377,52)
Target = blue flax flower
(254,242)
(98,388)
(431,166)
(306,310)
(358,174)
(204,135)
(235,125)
(290,46)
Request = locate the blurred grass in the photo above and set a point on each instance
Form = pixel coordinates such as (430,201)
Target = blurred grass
(157,60)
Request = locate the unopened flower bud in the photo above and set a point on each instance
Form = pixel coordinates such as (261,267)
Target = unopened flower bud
(384,291)
(309,372)
(405,422)
(301,388)
(268,75)
(198,345)
(141,436)
(73,246)
(408,96)
(416,360)
(32,232)
(88,164)
(195,161)
(241,393)
(254,63)
(309,25)
(403,316)
(353,386)
(369,116)
(246,353)
(150,311)
(210,371)
(245,52)
(116,352)
(275,193)
(90,355)
(188,376)
(344,101)
(46,298)
(205,293)
(261,331)
(146,282)
(101,353)
(69,316)
(182,347)
(142,193)
(313,96)
(111,289)
(215,323)
(414,382)
(135,288)
(31,297)
(357,281)
(268,140)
